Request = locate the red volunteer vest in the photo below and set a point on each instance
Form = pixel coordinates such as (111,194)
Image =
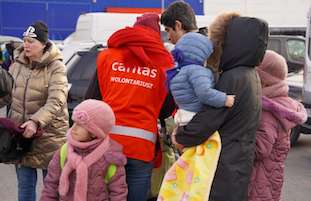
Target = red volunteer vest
(136,93)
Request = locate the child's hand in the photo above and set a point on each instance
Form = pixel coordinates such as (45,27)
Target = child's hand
(229,100)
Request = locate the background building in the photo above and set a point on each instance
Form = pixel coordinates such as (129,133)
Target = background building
(61,15)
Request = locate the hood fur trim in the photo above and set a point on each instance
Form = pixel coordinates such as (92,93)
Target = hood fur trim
(217,33)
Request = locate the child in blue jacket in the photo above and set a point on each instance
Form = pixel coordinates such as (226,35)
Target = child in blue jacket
(191,83)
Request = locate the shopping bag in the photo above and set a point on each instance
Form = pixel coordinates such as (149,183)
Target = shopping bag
(13,146)
(168,159)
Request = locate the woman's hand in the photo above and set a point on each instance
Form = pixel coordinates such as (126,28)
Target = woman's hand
(175,143)
(30,128)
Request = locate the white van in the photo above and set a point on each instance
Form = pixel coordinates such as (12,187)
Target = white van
(95,28)
(306,89)
(307,70)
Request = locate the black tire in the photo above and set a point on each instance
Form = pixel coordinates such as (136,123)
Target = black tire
(294,135)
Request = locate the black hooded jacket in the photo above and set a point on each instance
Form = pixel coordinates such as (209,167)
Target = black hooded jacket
(6,83)
(244,47)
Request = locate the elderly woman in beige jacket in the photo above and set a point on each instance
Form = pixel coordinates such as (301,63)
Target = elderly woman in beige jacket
(38,100)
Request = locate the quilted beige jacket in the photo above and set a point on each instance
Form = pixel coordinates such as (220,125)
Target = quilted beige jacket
(40,93)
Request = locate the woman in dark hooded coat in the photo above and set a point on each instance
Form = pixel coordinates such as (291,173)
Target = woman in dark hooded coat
(242,42)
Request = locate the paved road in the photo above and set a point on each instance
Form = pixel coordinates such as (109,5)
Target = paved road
(296,188)
(298,171)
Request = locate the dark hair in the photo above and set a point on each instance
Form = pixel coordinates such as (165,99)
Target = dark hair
(181,11)
(9,47)
(203,31)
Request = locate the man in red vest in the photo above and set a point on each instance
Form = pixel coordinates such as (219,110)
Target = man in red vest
(131,79)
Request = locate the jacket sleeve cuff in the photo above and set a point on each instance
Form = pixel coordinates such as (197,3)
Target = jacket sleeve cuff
(187,140)
(40,124)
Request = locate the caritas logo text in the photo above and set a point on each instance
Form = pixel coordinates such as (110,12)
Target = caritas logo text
(136,72)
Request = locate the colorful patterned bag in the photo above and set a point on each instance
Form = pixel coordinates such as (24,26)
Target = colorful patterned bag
(191,176)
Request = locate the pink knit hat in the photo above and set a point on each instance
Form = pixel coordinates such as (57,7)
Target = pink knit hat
(273,68)
(150,20)
(95,116)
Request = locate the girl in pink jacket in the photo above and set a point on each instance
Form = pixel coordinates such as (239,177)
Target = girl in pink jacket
(89,154)
(280,114)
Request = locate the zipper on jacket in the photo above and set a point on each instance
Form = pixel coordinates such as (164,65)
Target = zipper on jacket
(25,92)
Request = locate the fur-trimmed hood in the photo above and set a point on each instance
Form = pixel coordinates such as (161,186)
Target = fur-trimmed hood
(216,33)
(286,110)
(238,41)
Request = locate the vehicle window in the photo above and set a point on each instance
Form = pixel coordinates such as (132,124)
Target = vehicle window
(84,68)
(296,50)
(275,45)
(72,61)
(81,73)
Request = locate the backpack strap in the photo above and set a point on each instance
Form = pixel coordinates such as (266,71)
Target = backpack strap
(63,155)
(111,170)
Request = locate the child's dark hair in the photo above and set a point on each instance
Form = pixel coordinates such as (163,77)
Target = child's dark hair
(181,11)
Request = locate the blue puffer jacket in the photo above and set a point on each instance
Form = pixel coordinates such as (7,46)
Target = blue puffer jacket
(190,82)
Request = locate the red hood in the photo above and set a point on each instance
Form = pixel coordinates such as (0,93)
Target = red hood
(144,44)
